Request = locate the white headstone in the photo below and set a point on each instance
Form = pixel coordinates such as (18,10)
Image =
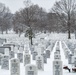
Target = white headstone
(27,59)
(38,50)
(26,47)
(7,51)
(34,55)
(58,51)
(57,56)
(57,67)
(48,53)
(44,57)
(20,57)
(21,49)
(12,48)
(31,70)
(75,51)
(11,54)
(70,58)
(5,62)
(32,49)
(74,60)
(16,49)
(26,51)
(15,67)
(39,62)
(1,56)
(67,53)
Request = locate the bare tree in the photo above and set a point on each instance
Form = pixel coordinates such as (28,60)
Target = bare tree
(5,18)
(32,16)
(65,9)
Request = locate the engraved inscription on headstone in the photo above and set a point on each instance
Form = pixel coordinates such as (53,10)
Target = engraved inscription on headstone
(1,56)
(20,57)
(48,53)
(57,56)
(15,67)
(75,61)
(26,51)
(70,58)
(32,49)
(11,54)
(44,58)
(58,51)
(57,67)
(67,53)
(5,63)
(27,59)
(39,62)
(34,55)
(31,70)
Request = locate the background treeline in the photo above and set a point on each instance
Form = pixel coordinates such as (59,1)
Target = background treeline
(61,18)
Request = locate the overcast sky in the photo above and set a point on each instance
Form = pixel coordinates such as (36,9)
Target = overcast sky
(15,5)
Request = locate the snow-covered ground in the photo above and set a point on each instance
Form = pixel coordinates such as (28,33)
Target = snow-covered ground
(48,68)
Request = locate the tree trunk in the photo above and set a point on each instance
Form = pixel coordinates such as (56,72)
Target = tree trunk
(2,31)
(31,41)
(30,38)
(19,34)
(69,35)
(6,31)
(68,24)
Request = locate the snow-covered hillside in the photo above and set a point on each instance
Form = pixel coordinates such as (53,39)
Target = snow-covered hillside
(48,68)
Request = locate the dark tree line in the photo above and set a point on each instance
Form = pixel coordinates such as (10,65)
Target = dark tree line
(61,18)
(5,18)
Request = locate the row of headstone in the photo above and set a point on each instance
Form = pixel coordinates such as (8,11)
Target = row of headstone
(57,63)
(67,51)
(2,41)
(74,58)
(29,68)
(71,57)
